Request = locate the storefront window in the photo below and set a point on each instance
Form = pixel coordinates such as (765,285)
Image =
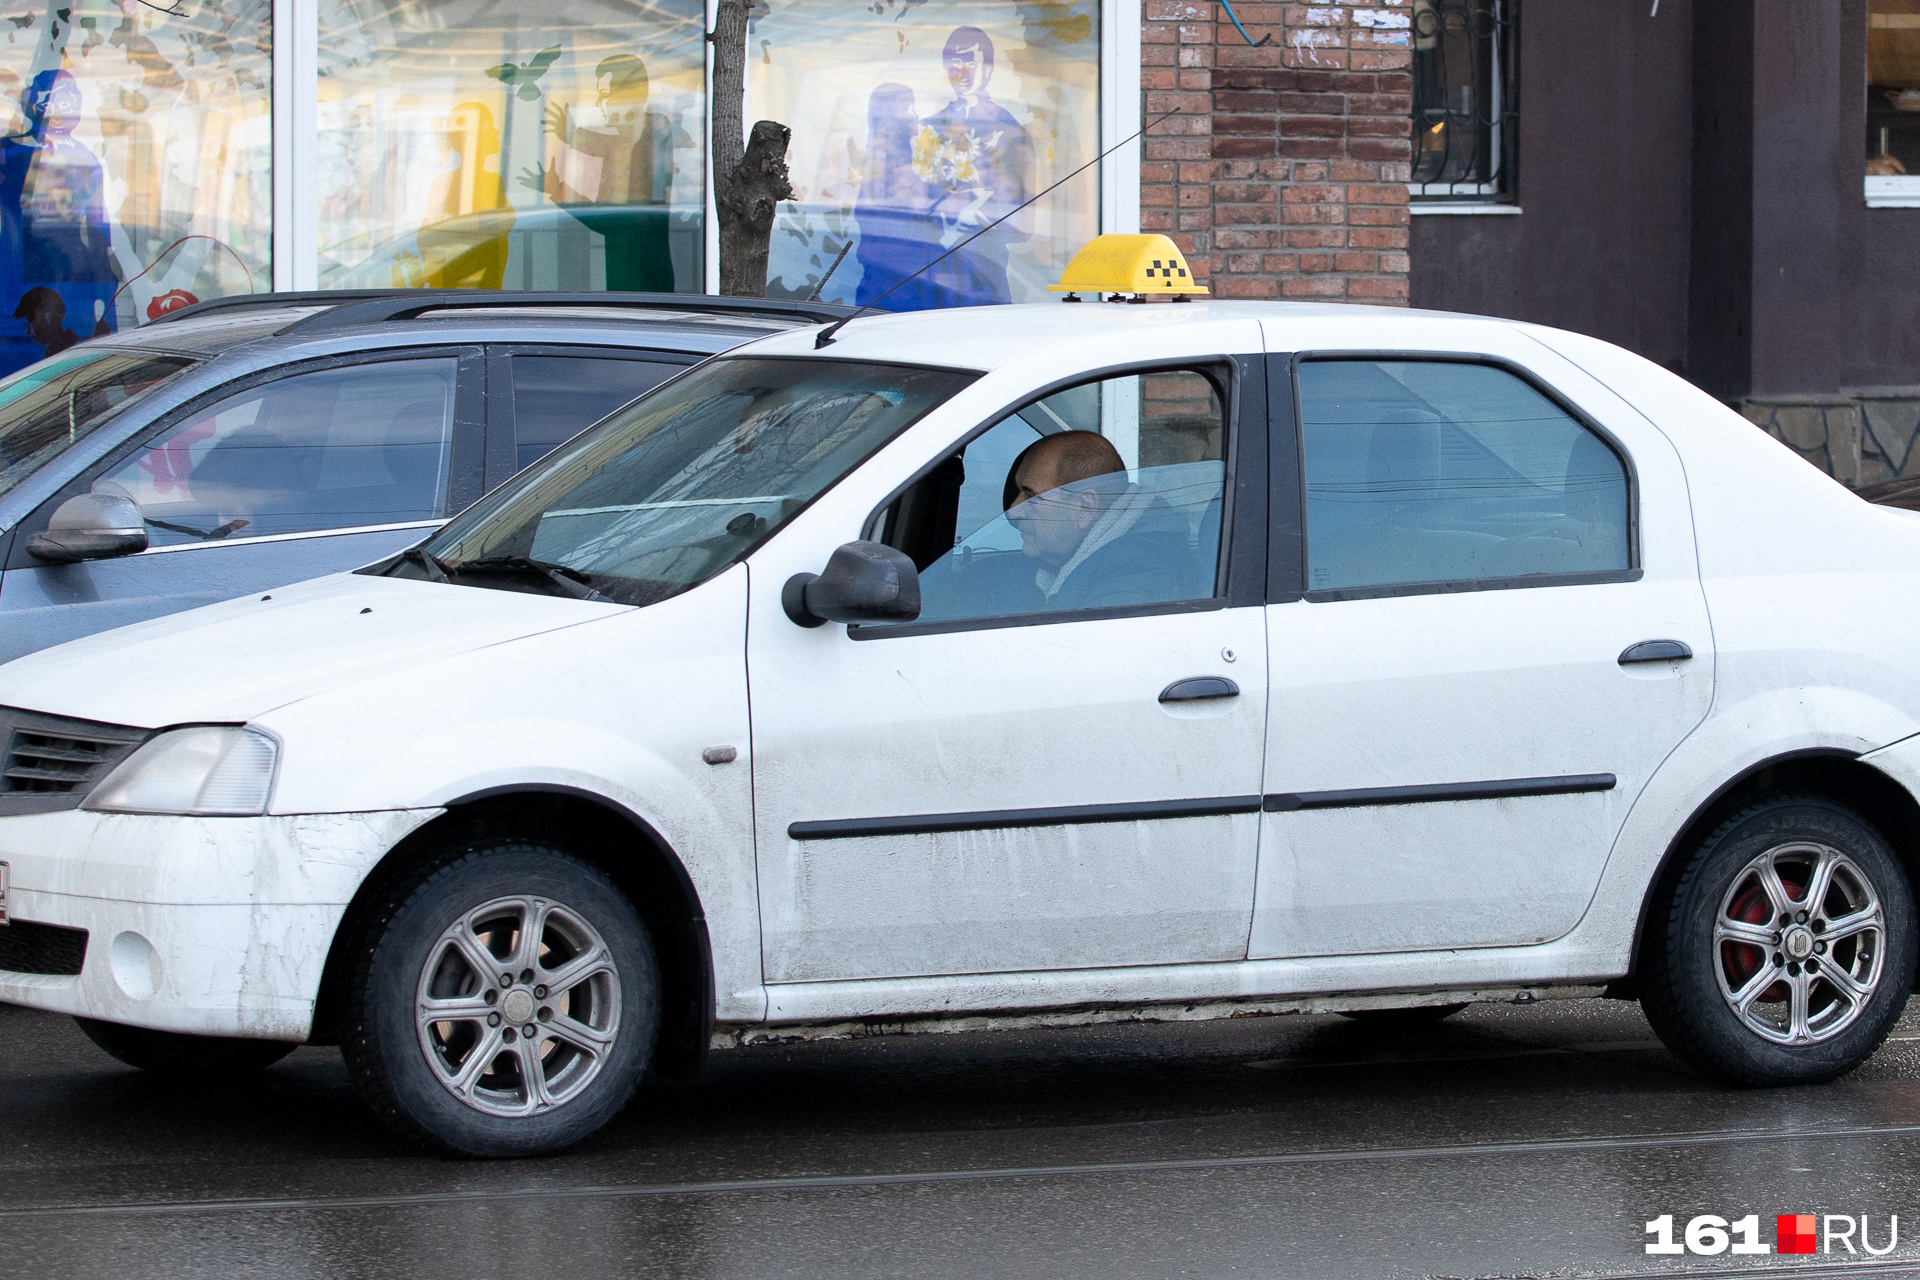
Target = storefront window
(916,125)
(136,166)
(1893,102)
(470,144)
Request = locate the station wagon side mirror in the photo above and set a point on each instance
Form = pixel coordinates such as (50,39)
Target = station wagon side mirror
(863,582)
(93,526)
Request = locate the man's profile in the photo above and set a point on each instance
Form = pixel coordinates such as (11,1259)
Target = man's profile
(1100,541)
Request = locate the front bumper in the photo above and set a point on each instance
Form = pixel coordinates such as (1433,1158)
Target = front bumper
(210,926)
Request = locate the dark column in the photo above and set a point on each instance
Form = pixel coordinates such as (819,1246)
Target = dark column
(1798,186)
(1776,173)
(1720,267)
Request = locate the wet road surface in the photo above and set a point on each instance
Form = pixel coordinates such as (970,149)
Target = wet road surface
(1505,1142)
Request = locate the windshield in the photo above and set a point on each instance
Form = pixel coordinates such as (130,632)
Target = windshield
(46,407)
(684,481)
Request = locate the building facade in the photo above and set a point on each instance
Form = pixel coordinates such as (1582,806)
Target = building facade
(155,154)
(1729,187)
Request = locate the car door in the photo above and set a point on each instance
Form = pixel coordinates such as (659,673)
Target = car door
(540,396)
(1476,649)
(308,470)
(1057,765)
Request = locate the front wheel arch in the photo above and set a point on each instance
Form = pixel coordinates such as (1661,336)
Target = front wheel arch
(1835,775)
(604,835)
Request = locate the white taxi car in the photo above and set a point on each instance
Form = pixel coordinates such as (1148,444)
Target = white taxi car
(1055,662)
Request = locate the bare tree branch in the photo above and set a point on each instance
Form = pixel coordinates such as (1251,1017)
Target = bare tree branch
(749,175)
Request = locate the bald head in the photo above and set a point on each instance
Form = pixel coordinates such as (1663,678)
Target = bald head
(1066,458)
(1052,521)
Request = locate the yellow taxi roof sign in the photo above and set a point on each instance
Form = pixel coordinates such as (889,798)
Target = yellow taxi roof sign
(1127,264)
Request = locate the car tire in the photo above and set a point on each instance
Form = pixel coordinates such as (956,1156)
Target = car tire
(547,1030)
(1417,1016)
(1789,978)
(180,1056)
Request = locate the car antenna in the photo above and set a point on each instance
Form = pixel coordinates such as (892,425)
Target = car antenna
(826,334)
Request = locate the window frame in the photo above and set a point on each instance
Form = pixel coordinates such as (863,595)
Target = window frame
(1241,570)
(464,473)
(1632,573)
(1499,191)
(503,444)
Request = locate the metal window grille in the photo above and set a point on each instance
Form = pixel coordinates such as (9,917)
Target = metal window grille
(1465,100)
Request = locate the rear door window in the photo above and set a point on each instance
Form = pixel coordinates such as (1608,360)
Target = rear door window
(1431,471)
(556,397)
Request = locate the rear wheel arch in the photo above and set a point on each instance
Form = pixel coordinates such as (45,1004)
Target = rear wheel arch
(601,833)
(1839,776)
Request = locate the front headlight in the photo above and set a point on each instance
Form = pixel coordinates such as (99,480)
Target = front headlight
(208,770)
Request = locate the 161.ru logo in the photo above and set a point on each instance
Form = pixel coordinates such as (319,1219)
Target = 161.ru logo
(1792,1233)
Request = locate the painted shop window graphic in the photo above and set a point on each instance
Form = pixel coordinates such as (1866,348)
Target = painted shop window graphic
(135,164)
(467,144)
(915,125)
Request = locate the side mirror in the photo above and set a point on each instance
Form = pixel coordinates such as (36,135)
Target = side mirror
(93,526)
(863,582)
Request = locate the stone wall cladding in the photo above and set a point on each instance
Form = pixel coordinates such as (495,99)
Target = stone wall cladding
(1284,175)
(1859,437)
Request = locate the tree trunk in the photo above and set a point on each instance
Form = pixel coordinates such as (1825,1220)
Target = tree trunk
(750,179)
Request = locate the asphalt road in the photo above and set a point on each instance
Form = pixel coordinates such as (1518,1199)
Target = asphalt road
(1506,1142)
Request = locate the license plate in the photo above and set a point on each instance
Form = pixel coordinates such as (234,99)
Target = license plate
(3,893)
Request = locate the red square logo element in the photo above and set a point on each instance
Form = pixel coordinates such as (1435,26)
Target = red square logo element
(1793,1233)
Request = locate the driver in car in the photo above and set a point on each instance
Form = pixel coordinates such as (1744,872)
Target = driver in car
(1100,541)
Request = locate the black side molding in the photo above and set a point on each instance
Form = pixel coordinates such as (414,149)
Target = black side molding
(1003,819)
(1214,806)
(1199,689)
(1363,797)
(1654,651)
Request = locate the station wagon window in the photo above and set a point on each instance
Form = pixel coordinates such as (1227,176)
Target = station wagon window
(1103,495)
(1446,472)
(335,448)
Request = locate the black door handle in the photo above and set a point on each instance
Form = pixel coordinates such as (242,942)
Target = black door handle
(1199,689)
(1654,651)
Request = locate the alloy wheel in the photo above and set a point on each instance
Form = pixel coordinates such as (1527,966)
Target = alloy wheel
(518,1006)
(1799,943)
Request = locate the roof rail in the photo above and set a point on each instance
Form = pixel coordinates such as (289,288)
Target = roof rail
(415,302)
(245,301)
(372,306)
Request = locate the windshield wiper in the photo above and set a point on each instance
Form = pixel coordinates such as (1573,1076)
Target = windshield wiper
(205,535)
(435,567)
(571,581)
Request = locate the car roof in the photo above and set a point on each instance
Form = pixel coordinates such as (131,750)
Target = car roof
(987,337)
(211,334)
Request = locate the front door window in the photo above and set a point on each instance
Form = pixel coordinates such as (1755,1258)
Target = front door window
(331,449)
(1106,495)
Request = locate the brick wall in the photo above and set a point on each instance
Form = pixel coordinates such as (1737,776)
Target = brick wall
(1284,175)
